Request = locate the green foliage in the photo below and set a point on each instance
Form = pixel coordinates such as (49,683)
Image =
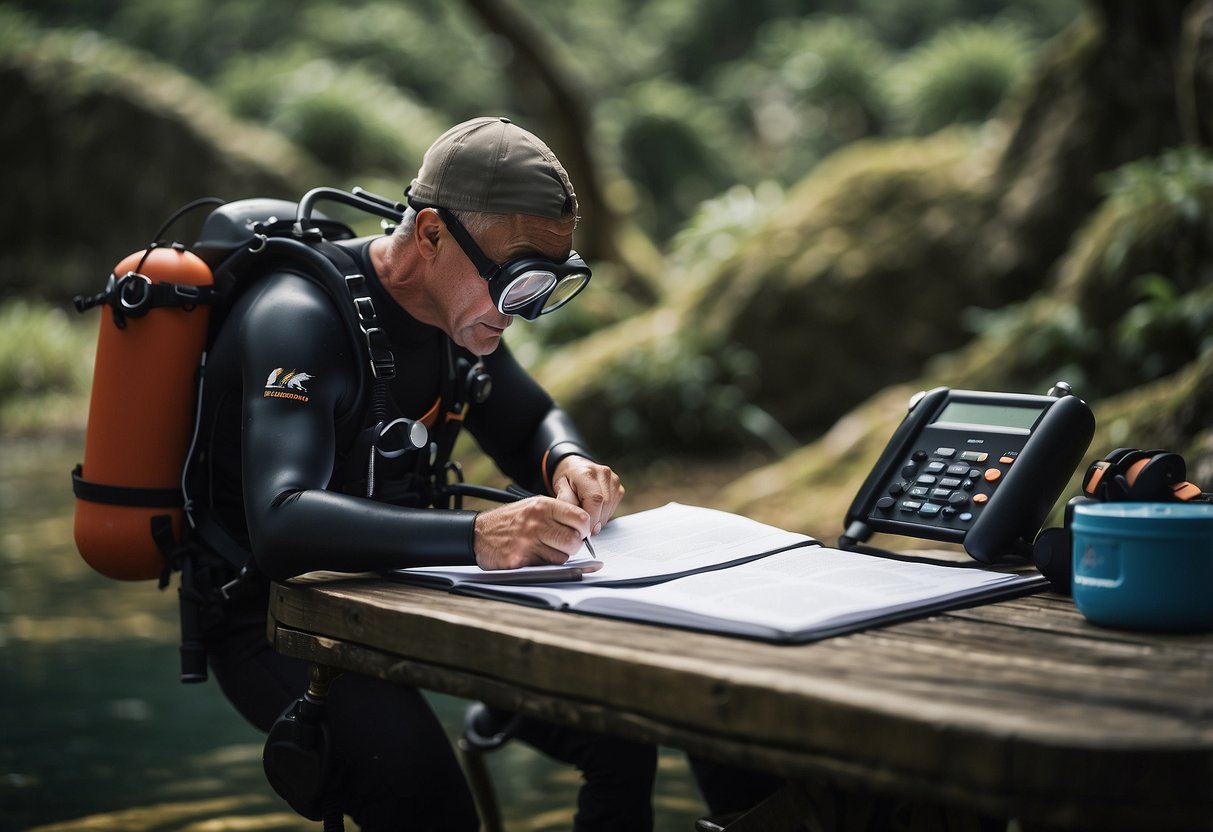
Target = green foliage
(903,24)
(1152,195)
(809,87)
(432,52)
(1164,207)
(1161,331)
(693,392)
(68,12)
(719,228)
(202,36)
(15,30)
(45,365)
(731,28)
(960,75)
(678,146)
(1142,305)
(690,396)
(351,119)
(1028,347)
(1165,329)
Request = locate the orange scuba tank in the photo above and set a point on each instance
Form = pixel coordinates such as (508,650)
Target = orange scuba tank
(141,413)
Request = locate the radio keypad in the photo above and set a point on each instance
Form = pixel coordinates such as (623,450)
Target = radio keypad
(946,487)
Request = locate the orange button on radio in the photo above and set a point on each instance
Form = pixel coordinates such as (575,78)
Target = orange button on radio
(992,474)
(1006,460)
(981,499)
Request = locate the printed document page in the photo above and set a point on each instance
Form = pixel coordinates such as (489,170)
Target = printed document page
(794,595)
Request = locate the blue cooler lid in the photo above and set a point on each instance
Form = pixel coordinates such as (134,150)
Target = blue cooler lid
(1146,517)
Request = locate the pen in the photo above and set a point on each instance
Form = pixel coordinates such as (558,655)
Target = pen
(590,547)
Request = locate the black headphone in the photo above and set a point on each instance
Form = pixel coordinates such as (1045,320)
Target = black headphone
(1141,476)
(1124,475)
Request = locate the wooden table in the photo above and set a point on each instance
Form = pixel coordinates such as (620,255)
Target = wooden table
(1019,709)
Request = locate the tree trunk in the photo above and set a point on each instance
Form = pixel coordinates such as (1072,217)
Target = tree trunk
(1106,96)
(1195,81)
(559,97)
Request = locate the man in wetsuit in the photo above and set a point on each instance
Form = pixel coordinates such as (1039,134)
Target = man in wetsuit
(491,212)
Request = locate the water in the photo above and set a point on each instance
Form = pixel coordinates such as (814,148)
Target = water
(97,733)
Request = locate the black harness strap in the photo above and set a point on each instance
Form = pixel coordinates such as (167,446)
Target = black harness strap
(378,345)
(124,495)
(133,295)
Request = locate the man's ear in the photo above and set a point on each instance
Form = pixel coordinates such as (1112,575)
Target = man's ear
(426,231)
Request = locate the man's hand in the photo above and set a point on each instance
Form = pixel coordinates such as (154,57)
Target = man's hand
(530,532)
(590,486)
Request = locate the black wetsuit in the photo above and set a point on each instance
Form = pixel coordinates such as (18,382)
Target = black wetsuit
(283,470)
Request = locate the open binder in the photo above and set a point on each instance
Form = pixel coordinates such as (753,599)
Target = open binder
(710,570)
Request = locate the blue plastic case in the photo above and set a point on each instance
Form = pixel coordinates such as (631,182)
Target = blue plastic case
(1144,566)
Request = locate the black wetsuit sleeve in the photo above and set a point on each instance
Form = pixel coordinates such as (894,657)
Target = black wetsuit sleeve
(521,428)
(298,377)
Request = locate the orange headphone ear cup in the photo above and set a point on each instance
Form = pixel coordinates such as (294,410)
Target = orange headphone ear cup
(1152,478)
(1098,470)
(1093,479)
(1105,479)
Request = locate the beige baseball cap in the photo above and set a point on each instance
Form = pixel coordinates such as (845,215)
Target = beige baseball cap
(491,164)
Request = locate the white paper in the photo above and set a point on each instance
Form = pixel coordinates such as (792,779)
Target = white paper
(796,592)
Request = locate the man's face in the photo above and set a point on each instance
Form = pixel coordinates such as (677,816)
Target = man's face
(471,318)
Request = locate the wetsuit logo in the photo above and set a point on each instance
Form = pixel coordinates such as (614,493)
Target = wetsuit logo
(287,385)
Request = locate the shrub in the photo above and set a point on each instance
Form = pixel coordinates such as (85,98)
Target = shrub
(678,147)
(436,52)
(347,117)
(1136,296)
(960,75)
(691,396)
(46,361)
(202,36)
(719,227)
(1152,195)
(811,86)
